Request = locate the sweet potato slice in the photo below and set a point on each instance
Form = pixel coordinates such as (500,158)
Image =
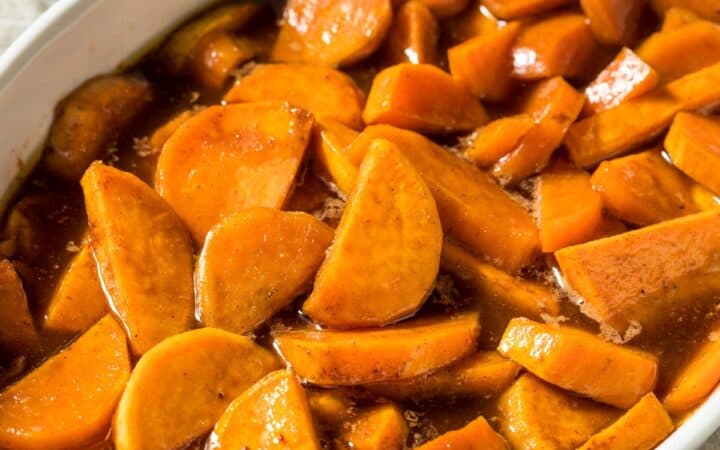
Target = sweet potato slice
(335,32)
(272,414)
(163,133)
(255,263)
(258,146)
(216,56)
(704,8)
(68,401)
(641,428)
(18,336)
(581,362)
(536,415)
(676,17)
(327,93)
(614,22)
(477,435)
(643,189)
(180,388)
(394,100)
(515,9)
(90,118)
(640,277)
(381,427)
(344,358)
(332,141)
(413,36)
(498,138)
(692,145)
(145,260)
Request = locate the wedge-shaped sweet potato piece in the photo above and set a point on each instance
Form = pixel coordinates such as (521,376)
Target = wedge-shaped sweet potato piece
(389,237)
(68,401)
(692,145)
(327,93)
(614,22)
(703,198)
(272,414)
(570,210)
(144,255)
(413,36)
(482,374)
(581,362)
(180,388)
(394,100)
(90,118)
(474,21)
(381,427)
(403,351)
(634,122)
(677,17)
(472,207)
(515,9)
(643,275)
(259,148)
(643,189)
(477,435)
(255,263)
(331,162)
(335,32)
(498,138)
(484,63)
(212,62)
(704,8)
(640,428)
(536,415)
(18,336)
(163,132)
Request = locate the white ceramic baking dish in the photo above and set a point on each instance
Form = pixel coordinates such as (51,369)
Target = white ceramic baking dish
(77,39)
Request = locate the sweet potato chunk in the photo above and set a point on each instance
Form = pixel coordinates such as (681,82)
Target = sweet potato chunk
(580,362)
(145,260)
(705,8)
(255,263)
(180,388)
(498,138)
(641,428)
(692,145)
(390,237)
(642,276)
(675,18)
(332,141)
(394,100)
(327,93)
(477,435)
(216,56)
(18,336)
(472,207)
(474,21)
(90,118)
(382,427)
(68,401)
(259,148)
(614,22)
(335,32)
(413,36)
(331,407)
(515,9)
(163,133)
(272,414)
(536,415)
(344,358)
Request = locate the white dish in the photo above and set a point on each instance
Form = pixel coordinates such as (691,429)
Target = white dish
(77,39)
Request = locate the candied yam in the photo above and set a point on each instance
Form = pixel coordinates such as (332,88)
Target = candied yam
(692,145)
(675,18)
(536,415)
(703,198)
(163,132)
(475,21)
(707,9)
(68,401)
(145,260)
(345,358)
(381,427)
(498,138)
(394,100)
(614,22)
(413,36)
(330,159)
(477,435)
(216,56)
(581,362)
(331,407)
(626,77)
(444,9)
(325,92)
(334,32)
(228,158)
(390,237)
(18,336)
(180,388)
(515,9)
(255,263)
(484,63)
(90,118)
(273,414)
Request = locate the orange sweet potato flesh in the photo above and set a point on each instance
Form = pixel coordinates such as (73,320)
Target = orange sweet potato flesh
(692,145)
(484,63)
(536,415)
(381,427)
(327,93)
(346,358)
(477,435)
(675,18)
(581,362)
(216,56)
(413,36)
(90,118)
(330,160)
(515,9)
(68,401)
(180,388)
(643,275)
(634,122)
(443,9)
(626,77)
(704,8)
(331,407)
(394,100)
(614,22)
(18,336)
(498,138)
(473,208)
(163,132)
(474,21)
(643,189)
(257,146)
(642,427)
(272,415)
(255,263)
(334,32)
(145,260)
(390,235)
